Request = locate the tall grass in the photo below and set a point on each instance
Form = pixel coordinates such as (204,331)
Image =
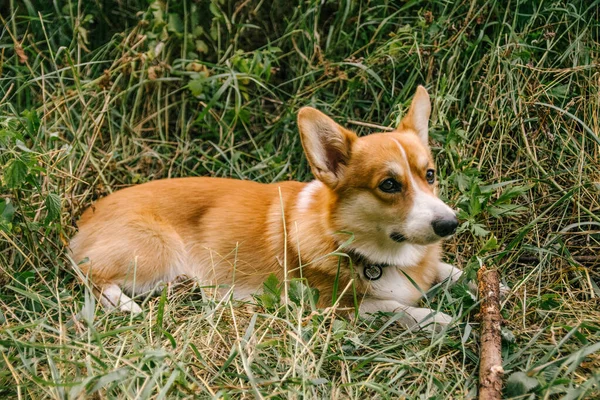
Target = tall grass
(97,96)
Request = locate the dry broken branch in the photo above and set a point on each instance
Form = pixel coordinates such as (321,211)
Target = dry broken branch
(490,358)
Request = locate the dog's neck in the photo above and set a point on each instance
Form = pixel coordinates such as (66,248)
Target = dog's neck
(365,267)
(361,260)
(404,255)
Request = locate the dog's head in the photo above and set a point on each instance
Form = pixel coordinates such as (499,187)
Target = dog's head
(383,185)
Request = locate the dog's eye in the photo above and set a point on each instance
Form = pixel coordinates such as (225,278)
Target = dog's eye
(390,186)
(430,176)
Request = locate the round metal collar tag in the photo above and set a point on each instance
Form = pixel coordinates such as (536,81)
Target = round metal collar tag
(373,272)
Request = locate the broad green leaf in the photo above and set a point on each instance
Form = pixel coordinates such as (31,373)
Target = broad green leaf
(512,192)
(479,230)
(196,86)
(52,204)
(271,296)
(299,293)
(7,210)
(491,244)
(339,328)
(201,46)
(214,10)
(271,285)
(175,23)
(15,173)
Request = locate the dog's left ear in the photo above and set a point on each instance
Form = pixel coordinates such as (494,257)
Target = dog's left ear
(417,118)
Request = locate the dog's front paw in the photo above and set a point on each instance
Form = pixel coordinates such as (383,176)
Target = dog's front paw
(472,287)
(504,290)
(426,319)
(436,322)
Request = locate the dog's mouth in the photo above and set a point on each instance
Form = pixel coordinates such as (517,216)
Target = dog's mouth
(397,237)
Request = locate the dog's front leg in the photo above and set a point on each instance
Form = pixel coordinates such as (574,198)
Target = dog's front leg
(414,318)
(448,271)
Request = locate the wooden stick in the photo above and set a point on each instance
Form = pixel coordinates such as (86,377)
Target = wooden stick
(490,358)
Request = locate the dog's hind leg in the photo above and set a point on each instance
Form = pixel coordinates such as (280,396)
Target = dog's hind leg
(130,257)
(111,296)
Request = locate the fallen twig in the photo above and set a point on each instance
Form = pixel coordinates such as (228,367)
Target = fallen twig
(490,358)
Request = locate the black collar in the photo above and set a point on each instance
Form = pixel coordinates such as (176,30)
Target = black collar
(370,270)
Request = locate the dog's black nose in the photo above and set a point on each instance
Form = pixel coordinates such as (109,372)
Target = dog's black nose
(445,227)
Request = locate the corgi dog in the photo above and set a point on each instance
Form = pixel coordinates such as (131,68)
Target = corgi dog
(374,199)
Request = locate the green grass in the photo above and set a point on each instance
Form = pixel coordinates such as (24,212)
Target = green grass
(97,96)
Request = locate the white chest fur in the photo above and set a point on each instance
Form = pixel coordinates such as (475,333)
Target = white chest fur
(394,284)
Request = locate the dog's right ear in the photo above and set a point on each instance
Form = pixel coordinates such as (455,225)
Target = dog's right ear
(326,144)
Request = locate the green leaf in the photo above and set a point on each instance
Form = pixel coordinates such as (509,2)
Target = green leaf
(196,86)
(299,293)
(15,173)
(271,296)
(201,46)
(462,180)
(175,23)
(339,328)
(519,383)
(475,202)
(271,285)
(113,376)
(157,12)
(512,192)
(32,121)
(505,210)
(7,210)
(6,137)
(560,91)
(214,31)
(479,230)
(549,301)
(492,188)
(52,204)
(161,308)
(491,244)
(214,10)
